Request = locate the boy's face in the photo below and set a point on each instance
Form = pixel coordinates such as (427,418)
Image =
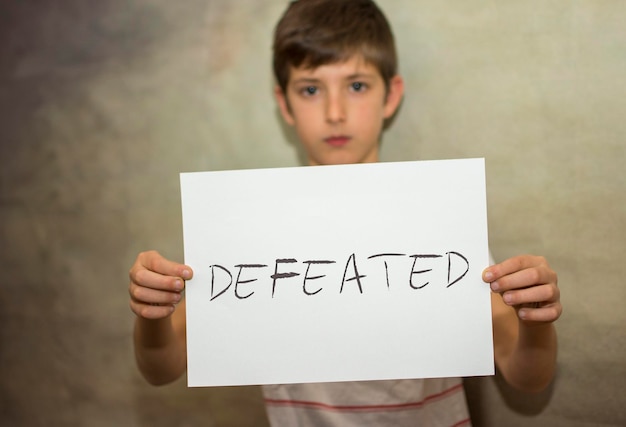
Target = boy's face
(338,110)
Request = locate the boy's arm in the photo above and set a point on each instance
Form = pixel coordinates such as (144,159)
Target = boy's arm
(525,303)
(160,347)
(159,338)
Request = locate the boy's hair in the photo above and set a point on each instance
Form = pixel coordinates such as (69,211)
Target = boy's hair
(320,32)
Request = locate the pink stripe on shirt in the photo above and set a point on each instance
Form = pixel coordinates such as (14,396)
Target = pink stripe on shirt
(369,408)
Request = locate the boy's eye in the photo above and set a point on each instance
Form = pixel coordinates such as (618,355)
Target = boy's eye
(358,86)
(309,90)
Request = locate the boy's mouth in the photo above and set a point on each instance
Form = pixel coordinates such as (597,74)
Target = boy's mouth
(337,140)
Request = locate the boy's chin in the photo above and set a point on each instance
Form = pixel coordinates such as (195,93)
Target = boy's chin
(333,162)
(341,159)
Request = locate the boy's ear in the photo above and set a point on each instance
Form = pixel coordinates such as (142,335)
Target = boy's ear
(394,96)
(283,105)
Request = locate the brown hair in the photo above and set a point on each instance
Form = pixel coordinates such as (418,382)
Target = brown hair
(319,32)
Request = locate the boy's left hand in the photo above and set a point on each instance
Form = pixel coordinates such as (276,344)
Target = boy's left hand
(528,284)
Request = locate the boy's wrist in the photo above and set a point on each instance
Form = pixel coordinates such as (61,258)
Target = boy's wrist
(153,332)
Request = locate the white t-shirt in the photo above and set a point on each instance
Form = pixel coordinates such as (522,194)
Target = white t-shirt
(428,402)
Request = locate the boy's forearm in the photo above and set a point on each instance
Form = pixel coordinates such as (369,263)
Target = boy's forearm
(532,363)
(159,350)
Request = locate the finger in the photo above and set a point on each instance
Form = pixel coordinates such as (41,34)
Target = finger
(547,313)
(512,265)
(153,261)
(524,278)
(149,311)
(534,296)
(141,294)
(150,279)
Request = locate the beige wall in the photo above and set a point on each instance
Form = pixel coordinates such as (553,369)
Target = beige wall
(103,104)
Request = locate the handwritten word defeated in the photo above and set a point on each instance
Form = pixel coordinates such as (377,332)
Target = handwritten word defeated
(222,278)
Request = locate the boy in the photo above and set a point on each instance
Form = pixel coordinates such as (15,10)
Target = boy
(335,65)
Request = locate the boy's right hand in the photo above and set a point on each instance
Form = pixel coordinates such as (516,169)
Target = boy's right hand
(156,285)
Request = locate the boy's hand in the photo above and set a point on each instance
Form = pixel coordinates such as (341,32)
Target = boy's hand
(156,285)
(528,284)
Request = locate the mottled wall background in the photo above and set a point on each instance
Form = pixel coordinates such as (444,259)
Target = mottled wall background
(103,103)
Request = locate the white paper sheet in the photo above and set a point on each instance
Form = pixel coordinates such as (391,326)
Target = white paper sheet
(337,273)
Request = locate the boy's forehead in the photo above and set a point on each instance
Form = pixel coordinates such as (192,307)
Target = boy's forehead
(354,65)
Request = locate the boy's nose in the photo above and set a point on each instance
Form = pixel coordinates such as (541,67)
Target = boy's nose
(335,109)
